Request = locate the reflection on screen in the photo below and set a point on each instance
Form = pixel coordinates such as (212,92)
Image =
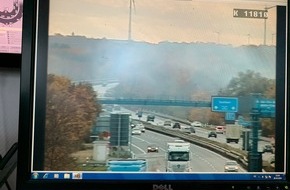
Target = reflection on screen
(164,89)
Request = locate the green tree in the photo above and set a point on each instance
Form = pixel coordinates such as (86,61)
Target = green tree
(246,83)
(251,82)
(71,111)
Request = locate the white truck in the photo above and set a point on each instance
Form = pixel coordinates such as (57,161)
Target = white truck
(233,133)
(178,157)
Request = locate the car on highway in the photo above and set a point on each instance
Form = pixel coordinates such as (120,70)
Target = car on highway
(220,129)
(212,134)
(150,117)
(268,148)
(142,128)
(192,129)
(152,148)
(139,113)
(136,131)
(187,129)
(167,123)
(176,125)
(231,166)
(196,124)
(179,141)
(135,124)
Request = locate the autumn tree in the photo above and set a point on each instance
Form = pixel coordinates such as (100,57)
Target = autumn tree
(268,125)
(71,111)
(252,82)
(205,115)
(246,83)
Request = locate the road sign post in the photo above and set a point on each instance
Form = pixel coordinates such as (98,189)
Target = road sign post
(255,163)
(266,107)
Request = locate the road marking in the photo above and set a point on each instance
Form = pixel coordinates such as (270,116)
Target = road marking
(139,148)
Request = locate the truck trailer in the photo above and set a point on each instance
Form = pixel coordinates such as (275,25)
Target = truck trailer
(233,133)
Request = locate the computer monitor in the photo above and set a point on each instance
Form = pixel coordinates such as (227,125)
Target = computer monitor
(159,95)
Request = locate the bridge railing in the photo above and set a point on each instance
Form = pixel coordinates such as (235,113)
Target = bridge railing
(154,102)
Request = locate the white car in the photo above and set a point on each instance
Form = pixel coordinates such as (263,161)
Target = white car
(136,131)
(141,127)
(196,124)
(231,166)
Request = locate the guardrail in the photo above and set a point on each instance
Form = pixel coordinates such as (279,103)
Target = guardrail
(220,148)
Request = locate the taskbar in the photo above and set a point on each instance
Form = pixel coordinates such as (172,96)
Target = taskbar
(80,175)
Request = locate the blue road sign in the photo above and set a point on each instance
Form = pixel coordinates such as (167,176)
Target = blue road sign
(266,107)
(224,104)
(230,116)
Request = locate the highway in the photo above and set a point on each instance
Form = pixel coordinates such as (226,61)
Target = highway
(159,121)
(202,160)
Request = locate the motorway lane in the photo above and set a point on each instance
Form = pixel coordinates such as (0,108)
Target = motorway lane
(141,149)
(103,89)
(202,160)
(204,133)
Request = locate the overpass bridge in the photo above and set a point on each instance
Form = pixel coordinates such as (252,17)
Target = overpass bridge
(154,102)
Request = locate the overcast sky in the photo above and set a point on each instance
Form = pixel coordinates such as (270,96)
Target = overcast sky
(165,20)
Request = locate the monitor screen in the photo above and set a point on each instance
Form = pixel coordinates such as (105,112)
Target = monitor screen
(163,94)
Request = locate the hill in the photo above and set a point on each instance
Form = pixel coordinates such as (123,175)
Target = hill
(157,70)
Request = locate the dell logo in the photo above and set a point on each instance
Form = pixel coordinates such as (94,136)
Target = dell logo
(162,187)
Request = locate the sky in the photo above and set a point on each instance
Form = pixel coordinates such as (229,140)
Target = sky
(155,21)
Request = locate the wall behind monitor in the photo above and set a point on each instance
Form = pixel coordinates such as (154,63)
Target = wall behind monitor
(9,108)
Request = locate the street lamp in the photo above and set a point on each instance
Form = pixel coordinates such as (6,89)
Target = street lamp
(265,23)
(218,37)
(132,2)
(273,38)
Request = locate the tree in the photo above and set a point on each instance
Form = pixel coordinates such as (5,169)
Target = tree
(251,82)
(205,115)
(246,83)
(71,111)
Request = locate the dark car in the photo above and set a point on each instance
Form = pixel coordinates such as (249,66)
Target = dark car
(150,118)
(176,126)
(152,148)
(192,129)
(167,123)
(268,148)
(212,134)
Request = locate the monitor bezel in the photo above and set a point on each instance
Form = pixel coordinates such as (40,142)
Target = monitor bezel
(34,48)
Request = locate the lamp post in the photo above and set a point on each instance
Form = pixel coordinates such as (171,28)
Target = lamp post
(273,38)
(249,37)
(218,37)
(265,24)
(132,3)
